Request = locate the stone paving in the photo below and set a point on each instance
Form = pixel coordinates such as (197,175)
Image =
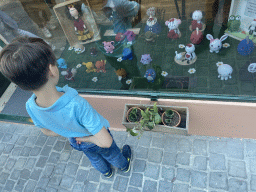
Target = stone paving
(31,161)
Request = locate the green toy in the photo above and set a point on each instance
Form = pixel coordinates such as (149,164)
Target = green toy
(234,23)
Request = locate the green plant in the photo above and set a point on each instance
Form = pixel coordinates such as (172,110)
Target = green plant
(150,118)
(133,115)
(169,114)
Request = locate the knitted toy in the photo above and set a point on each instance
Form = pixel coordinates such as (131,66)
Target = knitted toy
(174,32)
(150,75)
(145,59)
(197,16)
(234,23)
(100,65)
(90,67)
(245,47)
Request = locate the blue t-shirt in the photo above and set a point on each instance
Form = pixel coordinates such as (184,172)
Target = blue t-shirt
(70,116)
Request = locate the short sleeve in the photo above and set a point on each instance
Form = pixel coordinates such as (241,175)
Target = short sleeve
(90,118)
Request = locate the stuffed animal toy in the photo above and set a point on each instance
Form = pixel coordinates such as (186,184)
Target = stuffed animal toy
(130,35)
(196,36)
(190,52)
(174,32)
(90,67)
(109,46)
(121,73)
(197,16)
(245,47)
(127,54)
(62,63)
(119,37)
(150,75)
(100,65)
(225,71)
(234,23)
(75,13)
(145,59)
(215,44)
(152,25)
(252,28)
(69,74)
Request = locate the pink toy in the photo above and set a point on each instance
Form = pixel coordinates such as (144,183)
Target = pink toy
(130,35)
(173,24)
(215,44)
(190,52)
(109,46)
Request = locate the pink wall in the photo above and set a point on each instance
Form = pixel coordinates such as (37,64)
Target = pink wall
(210,118)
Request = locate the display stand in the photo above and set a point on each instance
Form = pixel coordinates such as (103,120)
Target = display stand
(68,26)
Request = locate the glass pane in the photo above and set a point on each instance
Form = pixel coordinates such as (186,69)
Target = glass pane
(144,46)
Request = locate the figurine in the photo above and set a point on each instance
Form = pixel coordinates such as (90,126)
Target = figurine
(94,52)
(196,36)
(215,44)
(225,71)
(62,63)
(245,47)
(174,32)
(178,55)
(152,25)
(109,46)
(234,23)
(150,75)
(145,59)
(197,16)
(119,37)
(79,50)
(100,65)
(121,73)
(121,13)
(190,52)
(90,67)
(252,68)
(75,14)
(130,35)
(69,74)
(252,28)
(127,54)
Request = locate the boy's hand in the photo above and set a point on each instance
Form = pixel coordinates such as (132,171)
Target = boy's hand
(83,139)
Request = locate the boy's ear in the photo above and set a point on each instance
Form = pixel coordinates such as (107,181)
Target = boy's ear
(53,70)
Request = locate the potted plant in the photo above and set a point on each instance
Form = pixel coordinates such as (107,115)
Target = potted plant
(150,118)
(171,118)
(134,114)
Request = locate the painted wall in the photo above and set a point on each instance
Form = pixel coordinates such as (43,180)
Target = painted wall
(210,118)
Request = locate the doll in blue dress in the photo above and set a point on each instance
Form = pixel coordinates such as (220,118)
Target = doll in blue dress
(152,25)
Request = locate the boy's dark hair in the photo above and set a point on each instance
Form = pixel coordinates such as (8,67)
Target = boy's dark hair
(26,62)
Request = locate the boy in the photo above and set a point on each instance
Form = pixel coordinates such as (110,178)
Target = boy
(30,63)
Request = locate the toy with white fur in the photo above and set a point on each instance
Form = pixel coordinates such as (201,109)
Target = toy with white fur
(215,44)
(173,24)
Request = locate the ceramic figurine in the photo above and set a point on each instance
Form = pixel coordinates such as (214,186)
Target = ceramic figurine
(121,13)
(121,73)
(119,37)
(252,68)
(225,71)
(94,52)
(234,23)
(190,52)
(62,63)
(178,55)
(252,28)
(130,35)
(69,74)
(215,44)
(152,25)
(174,32)
(150,75)
(197,17)
(145,59)
(90,67)
(127,54)
(196,36)
(75,14)
(100,65)
(108,46)
(245,47)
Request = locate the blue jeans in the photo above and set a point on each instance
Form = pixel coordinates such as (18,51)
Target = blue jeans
(101,158)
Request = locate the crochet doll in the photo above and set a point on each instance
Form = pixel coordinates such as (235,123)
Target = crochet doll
(75,13)
(152,24)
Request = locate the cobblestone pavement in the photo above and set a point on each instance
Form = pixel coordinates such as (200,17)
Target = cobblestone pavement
(31,161)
